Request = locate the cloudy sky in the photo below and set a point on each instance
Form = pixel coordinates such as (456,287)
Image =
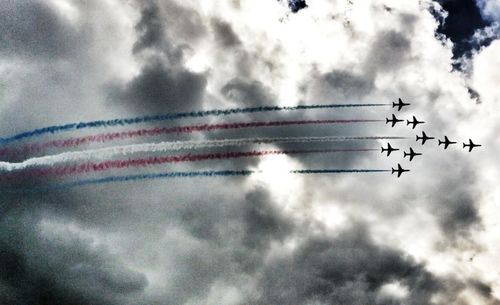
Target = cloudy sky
(429,237)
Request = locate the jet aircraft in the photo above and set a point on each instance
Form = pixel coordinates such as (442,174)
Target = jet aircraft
(400,104)
(446,142)
(394,120)
(389,149)
(471,145)
(415,122)
(400,170)
(424,138)
(411,154)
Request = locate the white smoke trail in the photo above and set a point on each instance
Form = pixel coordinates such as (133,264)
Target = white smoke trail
(106,153)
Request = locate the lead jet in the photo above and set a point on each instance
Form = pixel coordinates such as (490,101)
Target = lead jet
(415,122)
(394,120)
(446,142)
(411,154)
(389,149)
(424,138)
(400,170)
(399,105)
(471,145)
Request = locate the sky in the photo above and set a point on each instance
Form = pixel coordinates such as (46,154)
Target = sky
(431,236)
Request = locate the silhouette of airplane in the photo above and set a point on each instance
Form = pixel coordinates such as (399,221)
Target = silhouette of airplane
(389,149)
(471,145)
(394,120)
(415,122)
(400,170)
(399,105)
(411,154)
(424,138)
(446,142)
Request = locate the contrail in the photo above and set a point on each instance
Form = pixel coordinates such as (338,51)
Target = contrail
(171,116)
(337,171)
(193,174)
(106,153)
(114,136)
(156,160)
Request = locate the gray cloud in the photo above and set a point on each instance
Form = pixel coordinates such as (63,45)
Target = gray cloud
(58,269)
(151,29)
(33,29)
(160,89)
(388,52)
(347,85)
(347,269)
(224,34)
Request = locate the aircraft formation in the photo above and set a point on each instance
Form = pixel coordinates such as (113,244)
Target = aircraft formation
(424,138)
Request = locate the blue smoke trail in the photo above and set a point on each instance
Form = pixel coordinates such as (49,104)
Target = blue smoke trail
(194,174)
(171,116)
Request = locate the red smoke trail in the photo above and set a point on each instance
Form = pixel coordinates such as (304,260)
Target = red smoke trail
(143,162)
(107,137)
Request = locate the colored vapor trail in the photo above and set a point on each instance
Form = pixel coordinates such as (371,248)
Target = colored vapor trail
(171,116)
(143,162)
(192,174)
(108,137)
(105,153)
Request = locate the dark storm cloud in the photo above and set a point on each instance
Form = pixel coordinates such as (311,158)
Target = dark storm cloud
(33,29)
(150,29)
(463,20)
(264,223)
(58,268)
(224,33)
(160,89)
(348,269)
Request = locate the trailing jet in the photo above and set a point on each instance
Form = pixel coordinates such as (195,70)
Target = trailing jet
(471,145)
(389,149)
(411,154)
(424,138)
(415,122)
(400,170)
(446,142)
(399,105)
(394,120)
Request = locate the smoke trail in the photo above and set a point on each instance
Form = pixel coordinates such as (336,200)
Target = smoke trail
(107,137)
(143,162)
(337,171)
(105,153)
(171,116)
(194,174)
